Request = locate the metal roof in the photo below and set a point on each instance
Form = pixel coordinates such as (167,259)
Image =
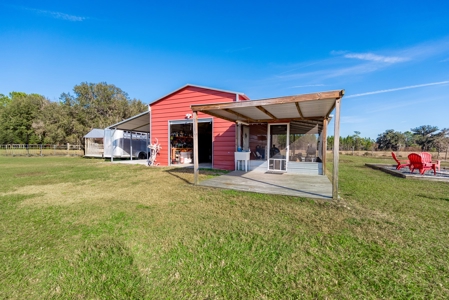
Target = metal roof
(137,123)
(306,112)
(316,106)
(95,134)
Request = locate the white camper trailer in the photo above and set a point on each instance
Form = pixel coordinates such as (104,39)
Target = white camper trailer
(119,143)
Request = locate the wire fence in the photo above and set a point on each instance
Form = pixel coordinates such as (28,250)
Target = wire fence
(40,150)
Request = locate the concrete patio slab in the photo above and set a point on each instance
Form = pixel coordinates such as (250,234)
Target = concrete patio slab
(309,186)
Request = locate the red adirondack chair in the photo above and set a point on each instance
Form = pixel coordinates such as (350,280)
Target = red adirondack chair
(417,162)
(428,159)
(401,164)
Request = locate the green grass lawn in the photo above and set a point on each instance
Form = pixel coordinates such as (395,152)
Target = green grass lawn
(74,228)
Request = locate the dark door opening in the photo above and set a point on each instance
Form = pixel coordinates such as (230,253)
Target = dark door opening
(205,142)
(181,142)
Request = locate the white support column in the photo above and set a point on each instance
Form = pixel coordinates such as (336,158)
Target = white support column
(147,136)
(195,148)
(112,145)
(239,135)
(336,150)
(131,144)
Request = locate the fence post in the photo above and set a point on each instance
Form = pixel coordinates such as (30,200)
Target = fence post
(54,150)
(41,149)
(68,149)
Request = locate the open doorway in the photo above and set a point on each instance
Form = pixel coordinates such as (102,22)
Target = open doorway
(278,135)
(181,141)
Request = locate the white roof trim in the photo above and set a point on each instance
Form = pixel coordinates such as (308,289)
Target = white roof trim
(198,86)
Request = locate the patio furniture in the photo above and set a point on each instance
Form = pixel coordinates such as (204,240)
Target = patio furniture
(428,159)
(417,162)
(401,164)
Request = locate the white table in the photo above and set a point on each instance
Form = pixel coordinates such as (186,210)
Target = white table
(241,156)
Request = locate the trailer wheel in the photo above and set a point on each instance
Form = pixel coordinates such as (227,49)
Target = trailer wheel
(142,155)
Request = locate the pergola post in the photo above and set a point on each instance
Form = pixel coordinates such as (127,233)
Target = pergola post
(195,148)
(324,145)
(336,150)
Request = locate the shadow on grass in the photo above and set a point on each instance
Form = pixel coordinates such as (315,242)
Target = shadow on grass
(175,172)
(189,170)
(432,198)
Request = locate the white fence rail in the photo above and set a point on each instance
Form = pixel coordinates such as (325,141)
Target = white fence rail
(40,150)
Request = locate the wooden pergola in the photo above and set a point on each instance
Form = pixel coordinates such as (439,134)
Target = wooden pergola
(306,111)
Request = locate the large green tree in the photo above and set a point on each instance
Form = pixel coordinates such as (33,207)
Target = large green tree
(18,116)
(425,136)
(95,105)
(49,125)
(4,100)
(390,140)
(442,141)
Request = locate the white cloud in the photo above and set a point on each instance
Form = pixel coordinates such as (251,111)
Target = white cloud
(377,58)
(339,66)
(55,14)
(398,89)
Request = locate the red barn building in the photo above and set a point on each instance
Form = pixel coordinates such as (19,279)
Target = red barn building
(282,134)
(171,124)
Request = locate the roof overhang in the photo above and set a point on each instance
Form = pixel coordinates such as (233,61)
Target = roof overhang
(95,134)
(200,87)
(304,108)
(137,123)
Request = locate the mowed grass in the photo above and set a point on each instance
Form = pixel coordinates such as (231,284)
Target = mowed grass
(74,228)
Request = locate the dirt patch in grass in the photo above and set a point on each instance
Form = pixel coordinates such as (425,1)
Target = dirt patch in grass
(30,174)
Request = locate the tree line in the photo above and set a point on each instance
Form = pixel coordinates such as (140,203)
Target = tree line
(424,138)
(34,119)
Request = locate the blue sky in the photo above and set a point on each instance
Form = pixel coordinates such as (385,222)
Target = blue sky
(391,57)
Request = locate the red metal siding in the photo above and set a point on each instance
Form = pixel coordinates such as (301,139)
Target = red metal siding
(175,107)
(243,98)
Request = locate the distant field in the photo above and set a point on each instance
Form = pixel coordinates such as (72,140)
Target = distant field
(40,150)
(387,154)
(74,228)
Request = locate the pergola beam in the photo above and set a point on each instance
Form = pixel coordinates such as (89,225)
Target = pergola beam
(317,119)
(266,112)
(238,114)
(299,110)
(280,100)
(330,110)
(218,116)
